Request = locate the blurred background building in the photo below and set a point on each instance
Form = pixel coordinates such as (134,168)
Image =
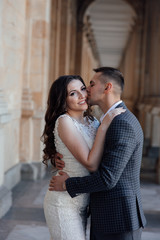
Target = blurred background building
(42,39)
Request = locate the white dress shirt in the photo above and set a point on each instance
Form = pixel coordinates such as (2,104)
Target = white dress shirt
(113,107)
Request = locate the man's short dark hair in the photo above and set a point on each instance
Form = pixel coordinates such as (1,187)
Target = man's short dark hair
(112,73)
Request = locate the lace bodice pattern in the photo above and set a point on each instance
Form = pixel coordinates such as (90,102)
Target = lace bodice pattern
(72,166)
(88,131)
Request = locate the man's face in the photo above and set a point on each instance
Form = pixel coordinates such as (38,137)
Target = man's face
(95,90)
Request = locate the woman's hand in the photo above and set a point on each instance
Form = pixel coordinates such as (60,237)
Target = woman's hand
(110,116)
(59,163)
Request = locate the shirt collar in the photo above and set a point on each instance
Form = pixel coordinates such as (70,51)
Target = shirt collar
(111,108)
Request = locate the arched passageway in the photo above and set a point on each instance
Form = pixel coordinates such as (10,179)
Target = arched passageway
(125,35)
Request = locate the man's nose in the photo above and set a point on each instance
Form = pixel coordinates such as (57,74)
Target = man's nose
(88,89)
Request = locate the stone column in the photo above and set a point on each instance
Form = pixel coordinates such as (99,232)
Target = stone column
(61,37)
(5,193)
(90,58)
(130,66)
(5,117)
(53,42)
(155,138)
(12,25)
(147,112)
(152,48)
(79,40)
(35,86)
(81,8)
(73,23)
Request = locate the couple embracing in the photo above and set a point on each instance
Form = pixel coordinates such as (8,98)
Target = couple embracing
(101,161)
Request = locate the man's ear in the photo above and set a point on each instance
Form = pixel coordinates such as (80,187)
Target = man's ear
(108,87)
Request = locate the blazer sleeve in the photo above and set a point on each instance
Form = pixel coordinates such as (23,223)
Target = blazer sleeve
(119,146)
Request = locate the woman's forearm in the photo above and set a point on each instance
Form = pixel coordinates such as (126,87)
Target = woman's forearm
(95,154)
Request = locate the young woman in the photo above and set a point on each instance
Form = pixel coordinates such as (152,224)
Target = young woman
(73,132)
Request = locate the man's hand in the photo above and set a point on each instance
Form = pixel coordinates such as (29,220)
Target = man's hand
(59,162)
(57,182)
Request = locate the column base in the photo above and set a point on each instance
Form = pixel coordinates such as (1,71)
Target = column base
(32,171)
(149,168)
(5,200)
(12,177)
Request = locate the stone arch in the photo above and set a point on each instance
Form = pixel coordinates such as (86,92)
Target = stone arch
(137,5)
(82,6)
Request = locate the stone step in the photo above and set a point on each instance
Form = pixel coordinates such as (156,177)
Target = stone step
(148,177)
(148,169)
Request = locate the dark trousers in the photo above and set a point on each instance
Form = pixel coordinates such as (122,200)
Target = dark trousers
(132,235)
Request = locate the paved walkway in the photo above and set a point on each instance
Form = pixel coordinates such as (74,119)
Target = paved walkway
(25,220)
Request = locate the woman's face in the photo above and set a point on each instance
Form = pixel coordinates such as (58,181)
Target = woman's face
(77,96)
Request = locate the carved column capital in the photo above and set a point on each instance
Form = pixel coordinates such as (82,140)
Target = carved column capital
(156,110)
(27,103)
(5,116)
(82,5)
(87,29)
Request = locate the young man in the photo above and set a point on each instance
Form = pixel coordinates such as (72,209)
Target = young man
(115,199)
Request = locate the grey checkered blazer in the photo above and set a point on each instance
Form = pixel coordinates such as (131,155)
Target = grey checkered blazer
(115,200)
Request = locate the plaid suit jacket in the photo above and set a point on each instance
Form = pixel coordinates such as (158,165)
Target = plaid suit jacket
(115,198)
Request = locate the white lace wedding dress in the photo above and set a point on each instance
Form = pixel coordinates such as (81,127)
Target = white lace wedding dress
(66,216)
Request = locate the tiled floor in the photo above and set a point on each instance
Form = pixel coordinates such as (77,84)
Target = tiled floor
(25,220)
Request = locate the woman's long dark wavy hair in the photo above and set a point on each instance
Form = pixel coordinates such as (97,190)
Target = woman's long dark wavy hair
(56,106)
